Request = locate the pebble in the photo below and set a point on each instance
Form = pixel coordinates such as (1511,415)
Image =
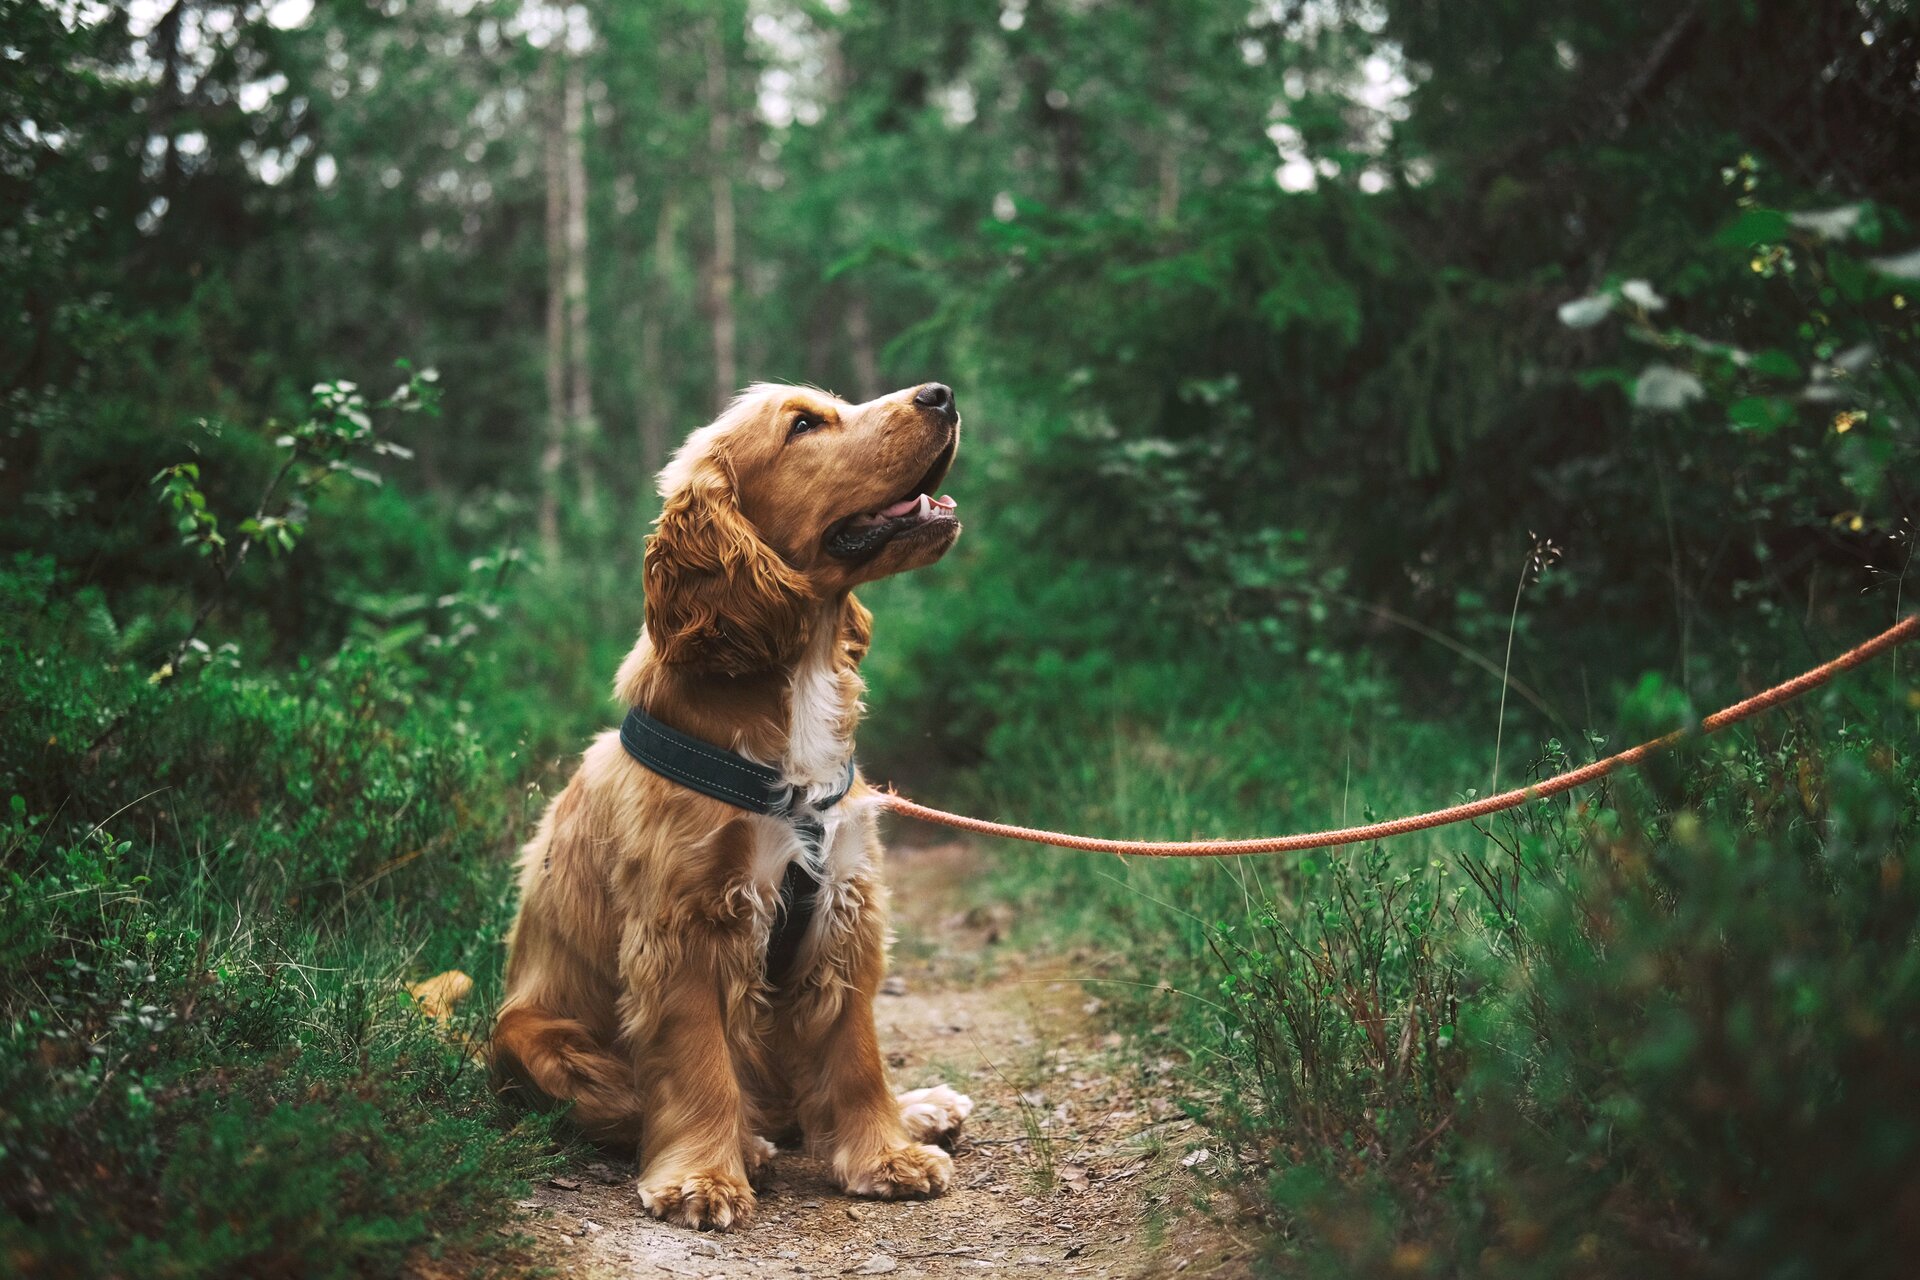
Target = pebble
(877,1265)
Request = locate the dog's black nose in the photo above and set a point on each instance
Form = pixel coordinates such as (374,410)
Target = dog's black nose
(937,396)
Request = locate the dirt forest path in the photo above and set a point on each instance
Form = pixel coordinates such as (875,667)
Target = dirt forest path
(1071,1165)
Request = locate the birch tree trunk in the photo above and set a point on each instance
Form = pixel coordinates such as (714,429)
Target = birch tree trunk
(721,268)
(655,398)
(580,420)
(553,455)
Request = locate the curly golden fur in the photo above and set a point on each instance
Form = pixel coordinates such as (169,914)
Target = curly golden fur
(636,991)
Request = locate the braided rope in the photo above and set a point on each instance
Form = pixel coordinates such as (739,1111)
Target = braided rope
(1901,632)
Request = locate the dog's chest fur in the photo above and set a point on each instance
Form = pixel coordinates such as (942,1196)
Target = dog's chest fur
(823,709)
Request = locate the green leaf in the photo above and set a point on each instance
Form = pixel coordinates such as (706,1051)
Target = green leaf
(1763,415)
(1754,226)
(1776,364)
(1852,279)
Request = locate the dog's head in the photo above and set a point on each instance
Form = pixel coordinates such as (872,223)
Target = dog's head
(793,496)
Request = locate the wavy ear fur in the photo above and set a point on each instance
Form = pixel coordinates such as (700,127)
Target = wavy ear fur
(718,598)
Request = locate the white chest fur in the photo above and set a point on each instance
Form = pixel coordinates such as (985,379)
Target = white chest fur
(822,705)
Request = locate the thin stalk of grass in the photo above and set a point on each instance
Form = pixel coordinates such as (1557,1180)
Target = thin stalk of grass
(1542,553)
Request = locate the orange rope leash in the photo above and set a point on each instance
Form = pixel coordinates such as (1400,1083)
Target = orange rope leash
(1901,632)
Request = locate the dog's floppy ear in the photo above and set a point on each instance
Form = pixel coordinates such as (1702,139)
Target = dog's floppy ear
(718,597)
(856,630)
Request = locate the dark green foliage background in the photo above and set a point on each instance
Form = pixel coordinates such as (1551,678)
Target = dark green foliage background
(1254,471)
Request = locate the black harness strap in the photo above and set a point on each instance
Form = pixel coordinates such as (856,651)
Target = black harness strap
(735,780)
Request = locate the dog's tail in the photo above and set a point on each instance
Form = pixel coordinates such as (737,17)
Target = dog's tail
(541,1058)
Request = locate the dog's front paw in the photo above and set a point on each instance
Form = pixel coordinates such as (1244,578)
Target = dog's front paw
(934,1115)
(703,1201)
(899,1173)
(758,1154)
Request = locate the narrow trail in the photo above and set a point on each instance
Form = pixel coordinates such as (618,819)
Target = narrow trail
(1076,1162)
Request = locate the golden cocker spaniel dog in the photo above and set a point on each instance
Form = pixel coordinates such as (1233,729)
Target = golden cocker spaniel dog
(693,967)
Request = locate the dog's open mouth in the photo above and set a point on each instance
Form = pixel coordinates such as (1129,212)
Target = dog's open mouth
(864,533)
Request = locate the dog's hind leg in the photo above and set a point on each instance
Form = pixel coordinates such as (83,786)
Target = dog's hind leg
(559,1060)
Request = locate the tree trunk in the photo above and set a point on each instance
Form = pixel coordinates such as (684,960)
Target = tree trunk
(553,456)
(866,364)
(655,399)
(580,422)
(1167,206)
(721,269)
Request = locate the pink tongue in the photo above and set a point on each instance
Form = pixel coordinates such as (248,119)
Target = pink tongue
(944,502)
(901,507)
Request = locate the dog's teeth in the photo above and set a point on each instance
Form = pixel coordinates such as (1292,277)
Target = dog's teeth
(925,503)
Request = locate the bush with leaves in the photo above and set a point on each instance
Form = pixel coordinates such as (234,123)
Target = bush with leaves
(202,951)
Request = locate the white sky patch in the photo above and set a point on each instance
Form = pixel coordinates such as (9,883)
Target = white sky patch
(1377,90)
(147,221)
(325,170)
(255,95)
(1296,166)
(77,15)
(543,25)
(273,165)
(794,52)
(144,15)
(286,15)
(775,98)
(959,104)
(1384,86)
(1296,175)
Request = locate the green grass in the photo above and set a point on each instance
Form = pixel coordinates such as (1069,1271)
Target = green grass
(207,1063)
(1671,1026)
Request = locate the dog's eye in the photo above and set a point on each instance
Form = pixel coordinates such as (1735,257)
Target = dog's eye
(802,423)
